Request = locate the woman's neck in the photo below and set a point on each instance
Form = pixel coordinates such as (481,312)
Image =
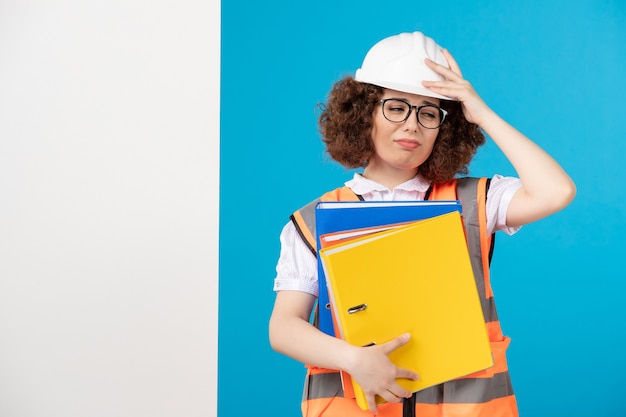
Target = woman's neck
(390,178)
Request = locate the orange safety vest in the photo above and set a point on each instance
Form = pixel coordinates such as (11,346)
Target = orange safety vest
(486,393)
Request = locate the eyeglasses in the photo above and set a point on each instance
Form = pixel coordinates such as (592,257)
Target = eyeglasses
(398,111)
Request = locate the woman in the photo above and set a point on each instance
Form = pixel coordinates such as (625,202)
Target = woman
(412,121)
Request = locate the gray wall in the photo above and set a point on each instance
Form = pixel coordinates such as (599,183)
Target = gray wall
(109,179)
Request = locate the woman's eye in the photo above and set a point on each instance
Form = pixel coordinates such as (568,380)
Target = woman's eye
(429,113)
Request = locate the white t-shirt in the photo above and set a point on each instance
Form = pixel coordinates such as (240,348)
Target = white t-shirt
(296,269)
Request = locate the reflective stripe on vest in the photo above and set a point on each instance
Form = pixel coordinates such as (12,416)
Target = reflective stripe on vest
(469,193)
(468,390)
(491,386)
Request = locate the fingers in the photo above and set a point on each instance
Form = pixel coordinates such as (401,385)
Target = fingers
(392,397)
(453,66)
(403,373)
(394,344)
(385,384)
(452,63)
(453,73)
(454,85)
(456,92)
(371,403)
(394,394)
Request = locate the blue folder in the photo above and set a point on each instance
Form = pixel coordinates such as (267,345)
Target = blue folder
(338,216)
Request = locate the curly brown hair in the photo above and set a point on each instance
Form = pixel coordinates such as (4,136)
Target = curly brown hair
(346,125)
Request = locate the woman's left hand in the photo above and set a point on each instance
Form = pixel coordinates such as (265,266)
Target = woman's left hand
(546,187)
(456,87)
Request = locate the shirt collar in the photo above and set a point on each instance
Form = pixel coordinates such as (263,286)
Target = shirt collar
(361,185)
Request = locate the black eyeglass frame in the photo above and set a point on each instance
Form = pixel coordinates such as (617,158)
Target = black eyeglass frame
(443,113)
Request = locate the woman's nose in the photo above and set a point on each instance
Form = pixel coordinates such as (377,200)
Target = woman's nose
(411,122)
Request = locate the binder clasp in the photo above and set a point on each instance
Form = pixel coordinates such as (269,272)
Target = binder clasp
(356,309)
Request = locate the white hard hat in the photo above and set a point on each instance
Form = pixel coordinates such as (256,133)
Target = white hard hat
(397,62)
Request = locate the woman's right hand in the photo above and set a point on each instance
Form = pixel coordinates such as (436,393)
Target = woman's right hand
(293,335)
(377,375)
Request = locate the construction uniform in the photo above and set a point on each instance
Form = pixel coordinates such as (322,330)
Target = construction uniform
(486,393)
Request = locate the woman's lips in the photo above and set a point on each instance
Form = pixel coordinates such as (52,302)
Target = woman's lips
(408,143)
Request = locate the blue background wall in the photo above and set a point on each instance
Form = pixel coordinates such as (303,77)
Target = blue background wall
(556,70)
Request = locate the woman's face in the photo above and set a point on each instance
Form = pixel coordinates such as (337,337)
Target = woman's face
(401,146)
